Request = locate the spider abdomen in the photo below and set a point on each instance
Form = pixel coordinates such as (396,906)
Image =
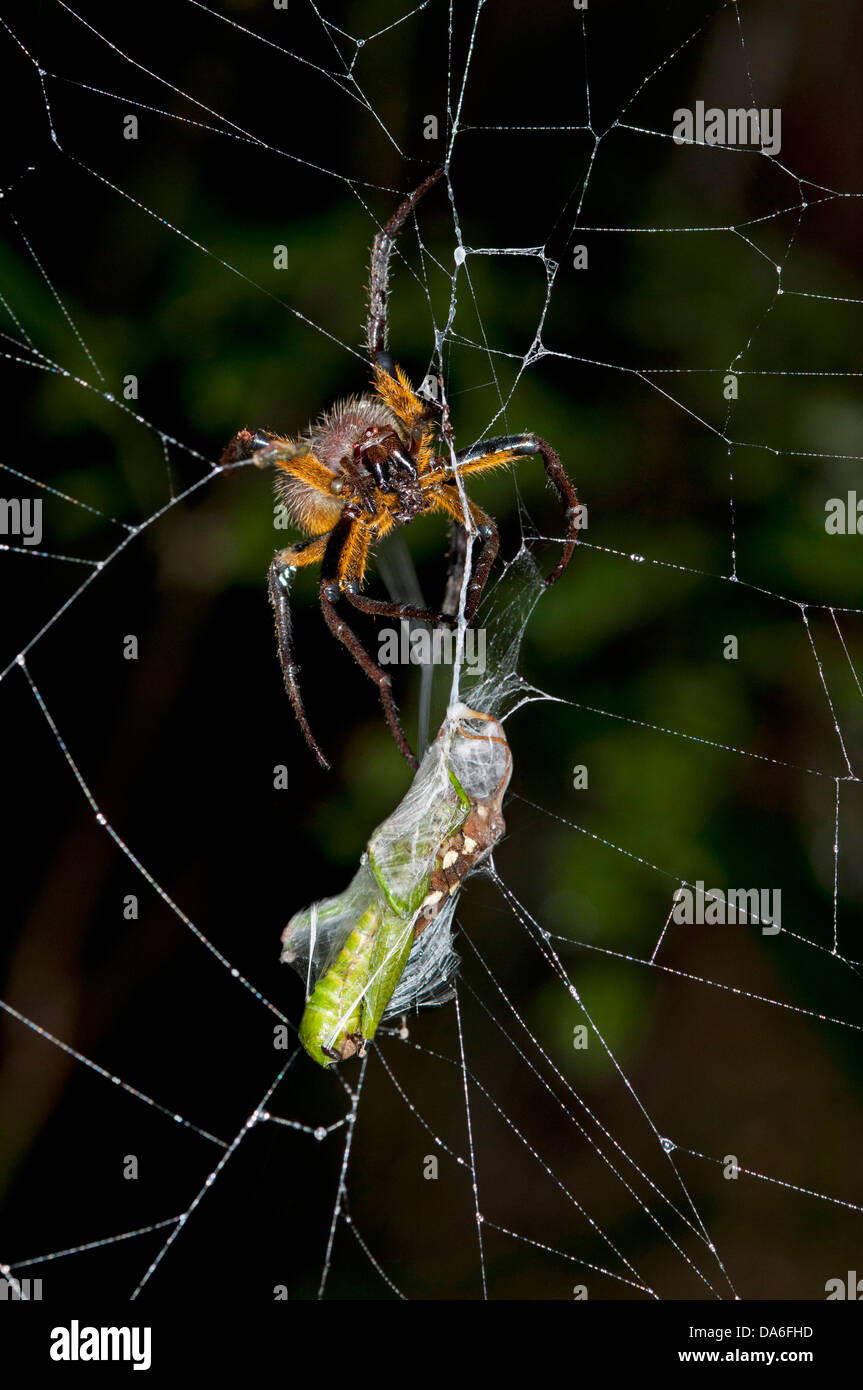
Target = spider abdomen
(316,508)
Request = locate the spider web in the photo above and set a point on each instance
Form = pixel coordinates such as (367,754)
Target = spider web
(615,1104)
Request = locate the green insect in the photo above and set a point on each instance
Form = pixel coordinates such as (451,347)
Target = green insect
(353,949)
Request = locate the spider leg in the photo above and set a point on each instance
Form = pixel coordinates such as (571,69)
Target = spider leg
(559,479)
(509,448)
(243,445)
(379,271)
(344,558)
(281,577)
(448,499)
(382,608)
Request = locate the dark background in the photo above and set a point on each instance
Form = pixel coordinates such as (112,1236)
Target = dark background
(178,748)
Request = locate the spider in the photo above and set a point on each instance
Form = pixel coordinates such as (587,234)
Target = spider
(369,465)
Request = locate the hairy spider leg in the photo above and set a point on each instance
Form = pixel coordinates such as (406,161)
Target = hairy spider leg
(281,576)
(395,390)
(379,271)
(383,608)
(509,448)
(389,377)
(315,480)
(343,563)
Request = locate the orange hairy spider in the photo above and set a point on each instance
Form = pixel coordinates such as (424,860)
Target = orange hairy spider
(369,465)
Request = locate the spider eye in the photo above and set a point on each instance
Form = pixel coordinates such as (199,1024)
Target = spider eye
(337,485)
(260,439)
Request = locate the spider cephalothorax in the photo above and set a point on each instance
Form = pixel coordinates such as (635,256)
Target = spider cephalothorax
(372,463)
(361,442)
